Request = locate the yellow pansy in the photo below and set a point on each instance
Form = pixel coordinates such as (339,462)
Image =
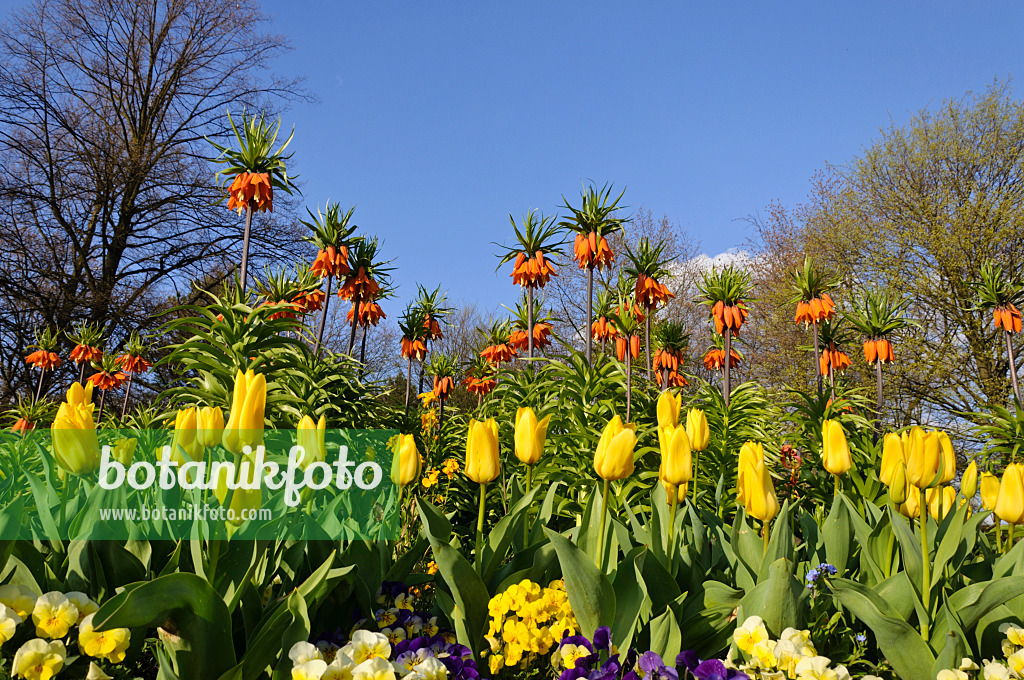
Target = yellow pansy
(53,615)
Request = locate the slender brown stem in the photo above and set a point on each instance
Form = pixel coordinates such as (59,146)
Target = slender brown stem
(832,380)
(323,317)
(629,382)
(39,386)
(728,364)
(408,386)
(817,358)
(99,416)
(878,402)
(127,391)
(529,324)
(362,350)
(1013,366)
(245,245)
(355,324)
(590,311)
(647,344)
(81,373)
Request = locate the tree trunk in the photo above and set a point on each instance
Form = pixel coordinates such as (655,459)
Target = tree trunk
(245,245)
(529,325)
(1013,367)
(323,318)
(817,358)
(590,312)
(728,365)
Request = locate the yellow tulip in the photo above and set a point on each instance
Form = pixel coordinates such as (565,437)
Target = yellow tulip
(761,502)
(614,456)
(697,429)
(668,409)
(911,508)
(245,423)
(123,450)
(676,460)
(898,487)
(1010,505)
(751,453)
(940,501)
(989,484)
(482,463)
(405,463)
(211,425)
(835,450)
(969,481)
(185,445)
(530,435)
(75,445)
(924,458)
(242,499)
(948,458)
(892,453)
(80,395)
(312,438)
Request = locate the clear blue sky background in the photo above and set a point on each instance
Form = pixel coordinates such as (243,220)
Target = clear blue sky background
(438,119)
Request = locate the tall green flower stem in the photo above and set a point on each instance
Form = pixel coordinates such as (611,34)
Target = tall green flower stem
(696,473)
(1009,537)
(672,529)
(604,520)
(927,571)
(839,487)
(526,520)
(765,528)
(480,530)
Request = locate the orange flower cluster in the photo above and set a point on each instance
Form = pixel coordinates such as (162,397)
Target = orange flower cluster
(331,262)
(251,188)
(369,313)
(442,386)
(1007,318)
(433,328)
(837,359)
(667,359)
(591,251)
(637,312)
(731,316)
(677,380)
(878,350)
(310,302)
(107,381)
(815,310)
(132,364)
(532,272)
(359,286)
(480,386)
(633,344)
(714,360)
(496,354)
(413,349)
(43,359)
(649,293)
(84,353)
(602,329)
(23,426)
(541,331)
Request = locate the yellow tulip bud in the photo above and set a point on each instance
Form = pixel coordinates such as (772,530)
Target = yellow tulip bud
(948,458)
(482,462)
(761,502)
(989,484)
(676,460)
(123,450)
(75,445)
(530,435)
(697,429)
(242,499)
(1010,505)
(80,395)
(898,487)
(892,453)
(405,462)
(245,423)
(211,425)
(751,453)
(678,492)
(185,445)
(911,508)
(940,501)
(924,459)
(312,438)
(668,409)
(835,450)
(614,456)
(969,481)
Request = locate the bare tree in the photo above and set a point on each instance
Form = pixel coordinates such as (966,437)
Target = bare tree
(106,197)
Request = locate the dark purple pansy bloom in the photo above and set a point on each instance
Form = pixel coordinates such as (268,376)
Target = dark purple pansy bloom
(689,659)
(603,638)
(714,669)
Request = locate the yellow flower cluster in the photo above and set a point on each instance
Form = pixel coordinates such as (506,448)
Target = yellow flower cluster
(430,479)
(1011,666)
(428,421)
(526,621)
(451,467)
(792,655)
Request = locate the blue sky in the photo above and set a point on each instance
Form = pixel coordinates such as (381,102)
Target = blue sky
(438,119)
